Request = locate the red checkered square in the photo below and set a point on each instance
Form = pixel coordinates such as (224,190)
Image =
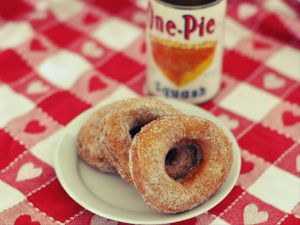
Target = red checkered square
(63,106)
(11,149)
(272,81)
(107,5)
(237,124)
(114,68)
(12,66)
(55,202)
(35,88)
(271,25)
(291,160)
(250,210)
(209,105)
(14,9)
(92,87)
(42,20)
(290,220)
(294,96)
(252,168)
(238,65)
(62,35)
(25,214)
(27,174)
(33,127)
(262,146)
(234,194)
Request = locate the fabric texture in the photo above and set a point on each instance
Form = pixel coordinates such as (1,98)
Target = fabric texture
(60,58)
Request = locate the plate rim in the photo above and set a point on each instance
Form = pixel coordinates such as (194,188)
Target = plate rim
(191,213)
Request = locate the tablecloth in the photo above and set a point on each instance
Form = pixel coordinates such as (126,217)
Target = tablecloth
(60,58)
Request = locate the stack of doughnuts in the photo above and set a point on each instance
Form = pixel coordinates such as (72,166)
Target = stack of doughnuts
(175,161)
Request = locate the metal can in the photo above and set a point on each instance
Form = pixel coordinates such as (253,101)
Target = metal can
(184,48)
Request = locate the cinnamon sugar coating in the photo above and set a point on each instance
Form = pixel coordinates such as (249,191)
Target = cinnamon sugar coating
(147,162)
(88,146)
(127,115)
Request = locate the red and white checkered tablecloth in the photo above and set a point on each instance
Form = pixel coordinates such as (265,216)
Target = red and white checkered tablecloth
(59,58)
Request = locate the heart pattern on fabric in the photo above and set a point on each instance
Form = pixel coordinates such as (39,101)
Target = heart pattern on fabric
(271,81)
(34,127)
(97,220)
(91,49)
(36,87)
(298,163)
(289,119)
(247,166)
(231,123)
(253,216)
(28,171)
(36,45)
(96,84)
(247,10)
(25,219)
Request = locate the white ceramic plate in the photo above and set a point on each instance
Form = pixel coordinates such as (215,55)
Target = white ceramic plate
(109,196)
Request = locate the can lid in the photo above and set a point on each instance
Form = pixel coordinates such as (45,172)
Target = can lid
(189,6)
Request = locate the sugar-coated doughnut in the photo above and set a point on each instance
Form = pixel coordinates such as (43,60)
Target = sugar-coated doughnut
(147,162)
(123,122)
(88,146)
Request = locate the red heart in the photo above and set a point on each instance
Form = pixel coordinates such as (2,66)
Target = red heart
(34,127)
(143,48)
(25,220)
(90,19)
(96,84)
(37,45)
(290,119)
(261,45)
(246,166)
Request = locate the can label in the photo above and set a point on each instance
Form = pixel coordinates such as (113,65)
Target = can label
(184,56)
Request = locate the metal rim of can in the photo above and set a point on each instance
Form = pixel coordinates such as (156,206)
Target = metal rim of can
(189,7)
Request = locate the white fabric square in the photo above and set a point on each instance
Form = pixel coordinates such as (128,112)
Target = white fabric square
(63,68)
(278,188)
(117,34)
(44,150)
(279,7)
(249,101)
(234,33)
(15,33)
(12,105)
(287,61)
(62,10)
(9,196)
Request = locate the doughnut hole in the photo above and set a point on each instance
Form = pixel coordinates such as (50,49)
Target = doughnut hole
(182,159)
(140,122)
(133,131)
